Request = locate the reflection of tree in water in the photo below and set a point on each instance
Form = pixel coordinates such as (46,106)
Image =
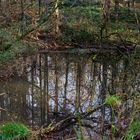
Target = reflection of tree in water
(63,84)
(14,100)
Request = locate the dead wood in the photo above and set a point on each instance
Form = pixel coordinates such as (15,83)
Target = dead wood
(68,122)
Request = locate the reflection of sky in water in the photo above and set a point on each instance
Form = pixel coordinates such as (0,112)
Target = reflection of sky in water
(91,78)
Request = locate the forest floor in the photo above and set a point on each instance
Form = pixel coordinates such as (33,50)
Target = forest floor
(83,27)
(80,27)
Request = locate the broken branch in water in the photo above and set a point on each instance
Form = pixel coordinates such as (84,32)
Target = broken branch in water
(69,121)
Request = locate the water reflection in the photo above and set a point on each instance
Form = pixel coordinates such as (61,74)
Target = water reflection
(53,85)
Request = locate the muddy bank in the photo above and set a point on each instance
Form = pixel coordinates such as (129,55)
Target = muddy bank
(50,44)
(10,68)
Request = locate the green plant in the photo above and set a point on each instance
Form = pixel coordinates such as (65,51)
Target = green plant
(78,130)
(13,130)
(112,101)
(79,134)
(132,130)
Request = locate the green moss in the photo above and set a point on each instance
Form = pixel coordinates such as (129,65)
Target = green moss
(13,130)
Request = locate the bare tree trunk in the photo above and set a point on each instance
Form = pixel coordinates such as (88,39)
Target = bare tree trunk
(105,19)
(78,84)
(57,16)
(40,80)
(103,91)
(66,83)
(39,7)
(93,81)
(47,90)
(32,92)
(106,9)
(116,9)
(113,79)
(56,86)
(22,17)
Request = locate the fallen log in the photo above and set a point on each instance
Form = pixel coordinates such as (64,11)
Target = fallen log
(81,50)
(114,49)
(68,122)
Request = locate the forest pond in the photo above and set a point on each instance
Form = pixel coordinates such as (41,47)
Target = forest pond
(50,86)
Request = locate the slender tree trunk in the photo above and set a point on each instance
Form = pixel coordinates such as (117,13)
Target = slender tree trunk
(66,83)
(78,85)
(57,16)
(106,9)
(116,9)
(113,79)
(93,81)
(56,86)
(32,92)
(46,7)
(105,19)
(40,80)
(103,91)
(47,90)
(22,17)
(39,7)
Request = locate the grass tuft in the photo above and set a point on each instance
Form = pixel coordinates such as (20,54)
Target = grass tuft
(112,101)
(13,130)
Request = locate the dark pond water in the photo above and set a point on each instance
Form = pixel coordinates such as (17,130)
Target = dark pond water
(50,86)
